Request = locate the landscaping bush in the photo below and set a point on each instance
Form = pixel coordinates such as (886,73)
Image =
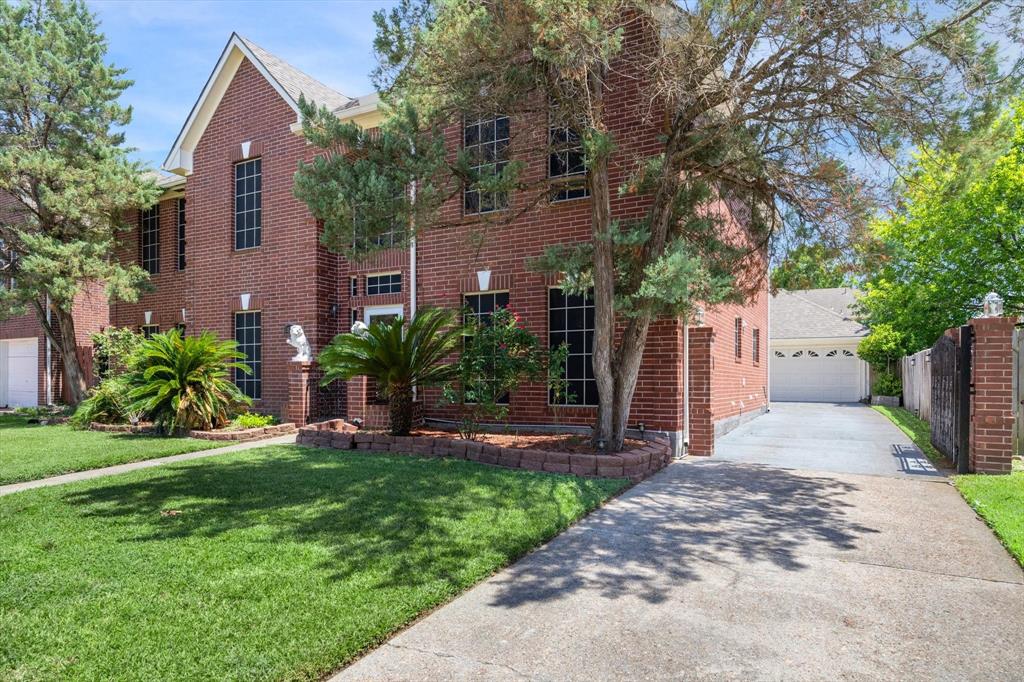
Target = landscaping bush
(252,420)
(107,403)
(882,347)
(887,383)
(398,356)
(113,350)
(184,383)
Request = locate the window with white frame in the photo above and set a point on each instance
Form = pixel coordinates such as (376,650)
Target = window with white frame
(181,233)
(248,204)
(566,163)
(385,283)
(249,337)
(571,321)
(486,142)
(149,239)
(148,330)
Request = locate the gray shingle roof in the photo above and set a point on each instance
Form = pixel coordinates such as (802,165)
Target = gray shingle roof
(815,313)
(296,82)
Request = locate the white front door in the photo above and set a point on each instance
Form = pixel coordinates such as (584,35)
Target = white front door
(381,313)
(19,364)
(816,375)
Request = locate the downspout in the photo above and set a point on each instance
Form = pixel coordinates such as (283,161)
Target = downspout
(412,267)
(49,352)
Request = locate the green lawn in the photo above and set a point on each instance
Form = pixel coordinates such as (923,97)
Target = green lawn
(918,429)
(31,451)
(1000,501)
(278,563)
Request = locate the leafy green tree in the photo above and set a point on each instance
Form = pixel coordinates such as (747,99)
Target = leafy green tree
(64,168)
(813,266)
(957,235)
(399,356)
(185,383)
(882,347)
(759,106)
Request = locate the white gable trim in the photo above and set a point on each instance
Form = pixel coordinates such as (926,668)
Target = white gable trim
(179,160)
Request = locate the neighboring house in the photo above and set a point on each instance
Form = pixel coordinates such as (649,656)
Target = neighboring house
(813,347)
(31,368)
(230,249)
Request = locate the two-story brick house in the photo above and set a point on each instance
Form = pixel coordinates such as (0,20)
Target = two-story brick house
(231,249)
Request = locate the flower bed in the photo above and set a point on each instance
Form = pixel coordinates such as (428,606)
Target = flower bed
(237,435)
(635,464)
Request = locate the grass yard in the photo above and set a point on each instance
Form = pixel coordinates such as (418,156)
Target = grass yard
(917,429)
(1000,501)
(30,451)
(278,563)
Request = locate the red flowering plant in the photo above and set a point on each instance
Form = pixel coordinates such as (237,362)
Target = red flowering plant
(498,355)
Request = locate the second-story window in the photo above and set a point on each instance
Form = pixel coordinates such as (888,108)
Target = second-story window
(566,163)
(388,283)
(149,242)
(181,234)
(248,204)
(486,141)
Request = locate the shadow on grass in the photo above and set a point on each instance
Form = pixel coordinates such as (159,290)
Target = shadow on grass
(395,520)
(660,533)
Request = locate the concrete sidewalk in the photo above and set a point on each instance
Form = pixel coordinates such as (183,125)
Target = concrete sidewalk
(144,464)
(721,570)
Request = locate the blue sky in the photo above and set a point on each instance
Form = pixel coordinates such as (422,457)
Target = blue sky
(169,49)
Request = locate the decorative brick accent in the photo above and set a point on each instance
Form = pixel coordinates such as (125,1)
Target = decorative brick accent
(992,395)
(245,435)
(300,393)
(701,421)
(635,465)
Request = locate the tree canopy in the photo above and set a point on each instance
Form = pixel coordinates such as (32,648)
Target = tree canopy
(64,169)
(957,235)
(759,107)
(814,266)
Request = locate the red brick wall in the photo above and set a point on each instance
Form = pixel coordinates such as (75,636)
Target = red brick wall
(992,398)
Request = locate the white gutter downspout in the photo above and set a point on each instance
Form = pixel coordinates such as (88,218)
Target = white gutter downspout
(412,264)
(49,365)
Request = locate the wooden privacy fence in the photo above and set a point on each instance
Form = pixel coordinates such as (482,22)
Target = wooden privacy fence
(917,383)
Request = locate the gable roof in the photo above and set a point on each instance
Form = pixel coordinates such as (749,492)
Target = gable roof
(815,314)
(288,81)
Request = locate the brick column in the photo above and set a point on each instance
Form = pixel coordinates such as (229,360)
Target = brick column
(702,427)
(992,398)
(355,398)
(300,396)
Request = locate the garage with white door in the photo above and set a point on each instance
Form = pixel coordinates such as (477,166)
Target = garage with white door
(813,348)
(19,372)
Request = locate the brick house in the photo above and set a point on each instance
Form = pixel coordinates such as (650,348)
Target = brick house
(231,249)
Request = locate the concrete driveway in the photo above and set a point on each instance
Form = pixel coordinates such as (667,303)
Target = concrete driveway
(843,438)
(718,569)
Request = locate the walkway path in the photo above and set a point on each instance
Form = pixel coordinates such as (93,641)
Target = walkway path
(144,464)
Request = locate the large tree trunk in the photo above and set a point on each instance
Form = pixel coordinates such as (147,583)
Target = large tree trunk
(627,370)
(62,335)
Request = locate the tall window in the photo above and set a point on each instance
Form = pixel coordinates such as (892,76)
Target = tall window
(738,338)
(249,336)
(149,243)
(755,346)
(566,164)
(571,321)
(149,329)
(486,143)
(479,309)
(390,283)
(181,234)
(248,204)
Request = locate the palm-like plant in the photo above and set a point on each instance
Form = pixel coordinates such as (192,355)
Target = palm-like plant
(185,383)
(398,356)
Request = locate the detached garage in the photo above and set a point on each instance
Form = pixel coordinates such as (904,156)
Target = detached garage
(813,347)
(19,372)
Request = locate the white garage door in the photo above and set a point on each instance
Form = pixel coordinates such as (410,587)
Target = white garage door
(816,375)
(19,363)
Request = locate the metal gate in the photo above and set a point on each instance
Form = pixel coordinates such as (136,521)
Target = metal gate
(951,398)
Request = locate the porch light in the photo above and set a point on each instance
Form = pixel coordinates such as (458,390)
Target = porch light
(992,305)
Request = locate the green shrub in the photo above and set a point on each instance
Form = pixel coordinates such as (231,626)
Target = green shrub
(398,356)
(113,350)
(252,420)
(887,383)
(185,383)
(882,347)
(107,403)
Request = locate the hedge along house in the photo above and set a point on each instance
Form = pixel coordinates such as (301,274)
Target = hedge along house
(232,250)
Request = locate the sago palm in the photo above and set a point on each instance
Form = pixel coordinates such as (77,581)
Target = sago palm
(185,382)
(399,356)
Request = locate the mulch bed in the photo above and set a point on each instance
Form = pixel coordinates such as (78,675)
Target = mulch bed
(551,442)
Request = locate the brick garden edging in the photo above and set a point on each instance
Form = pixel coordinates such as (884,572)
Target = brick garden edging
(239,435)
(636,464)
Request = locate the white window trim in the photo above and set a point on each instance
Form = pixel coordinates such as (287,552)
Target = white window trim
(373,310)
